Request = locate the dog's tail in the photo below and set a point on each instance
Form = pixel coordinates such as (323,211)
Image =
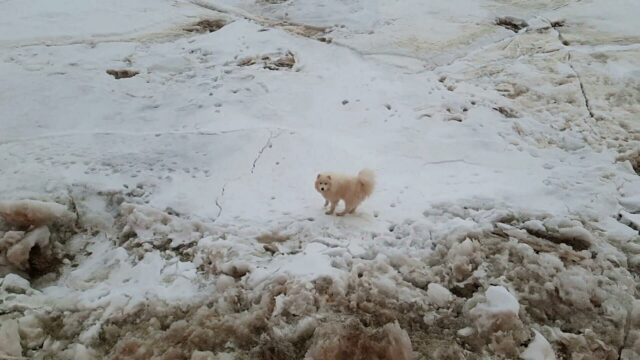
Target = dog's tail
(367,180)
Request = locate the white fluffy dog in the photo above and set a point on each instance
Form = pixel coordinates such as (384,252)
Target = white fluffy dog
(350,189)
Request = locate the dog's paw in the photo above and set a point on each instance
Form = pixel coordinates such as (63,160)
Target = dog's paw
(328,212)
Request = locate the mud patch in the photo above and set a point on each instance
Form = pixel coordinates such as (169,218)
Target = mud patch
(313,32)
(206,26)
(271,62)
(122,73)
(272,237)
(511,23)
(507,112)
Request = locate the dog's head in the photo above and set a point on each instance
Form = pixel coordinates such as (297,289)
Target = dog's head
(323,183)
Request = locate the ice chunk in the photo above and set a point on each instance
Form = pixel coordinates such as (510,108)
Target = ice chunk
(550,261)
(18,254)
(534,226)
(31,331)
(202,355)
(500,299)
(538,349)
(438,294)
(575,286)
(464,248)
(10,340)
(25,213)
(82,353)
(15,284)
(577,237)
(464,332)
(499,312)
(10,238)
(631,203)
(236,269)
(157,227)
(629,219)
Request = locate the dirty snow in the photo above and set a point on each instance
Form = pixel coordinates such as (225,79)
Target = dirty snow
(158,160)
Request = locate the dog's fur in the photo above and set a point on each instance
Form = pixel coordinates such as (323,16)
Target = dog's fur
(350,189)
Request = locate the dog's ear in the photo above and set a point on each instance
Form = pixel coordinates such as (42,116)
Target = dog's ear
(318,177)
(329,177)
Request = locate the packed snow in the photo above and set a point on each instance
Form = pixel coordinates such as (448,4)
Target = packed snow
(158,157)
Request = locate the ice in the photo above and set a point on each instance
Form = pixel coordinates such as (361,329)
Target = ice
(538,349)
(500,307)
(26,213)
(631,203)
(438,294)
(500,299)
(576,287)
(31,332)
(151,225)
(10,339)
(15,284)
(10,238)
(632,220)
(18,253)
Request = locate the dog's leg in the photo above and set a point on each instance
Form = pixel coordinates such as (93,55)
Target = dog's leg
(347,209)
(326,202)
(332,209)
(354,207)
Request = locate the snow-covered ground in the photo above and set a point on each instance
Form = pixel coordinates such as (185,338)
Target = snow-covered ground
(505,137)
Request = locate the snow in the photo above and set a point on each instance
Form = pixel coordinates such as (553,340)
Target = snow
(123,282)
(15,284)
(182,197)
(538,349)
(71,20)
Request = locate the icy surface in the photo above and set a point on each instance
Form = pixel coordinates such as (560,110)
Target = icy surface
(157,164)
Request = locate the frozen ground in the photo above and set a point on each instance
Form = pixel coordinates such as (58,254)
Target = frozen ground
(504,135)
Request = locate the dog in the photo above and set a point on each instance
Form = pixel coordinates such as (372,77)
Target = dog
(350,189)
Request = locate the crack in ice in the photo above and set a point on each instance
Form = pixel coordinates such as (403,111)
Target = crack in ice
(218,198)
(264,147)
(74,208)
(584,94)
